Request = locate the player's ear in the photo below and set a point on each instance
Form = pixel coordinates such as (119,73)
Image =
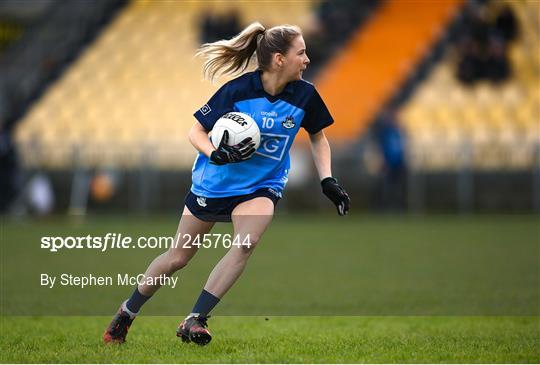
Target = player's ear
(279,60)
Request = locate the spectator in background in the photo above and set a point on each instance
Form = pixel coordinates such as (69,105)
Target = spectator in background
(483,44)
(9,171)
(497,64)
(215,27)
(333,23)
(470,63)
(506,24)
(390,140)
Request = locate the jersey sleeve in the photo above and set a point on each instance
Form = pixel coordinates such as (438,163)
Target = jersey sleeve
(317,116)
(220,103)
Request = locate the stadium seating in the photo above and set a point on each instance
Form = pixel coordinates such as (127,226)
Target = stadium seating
(484,126)
(129,98)
(377,60)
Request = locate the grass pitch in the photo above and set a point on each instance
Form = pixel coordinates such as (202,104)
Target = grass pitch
(279,340)
(317,290)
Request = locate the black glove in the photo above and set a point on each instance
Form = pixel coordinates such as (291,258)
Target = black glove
(225,154)
(336,194)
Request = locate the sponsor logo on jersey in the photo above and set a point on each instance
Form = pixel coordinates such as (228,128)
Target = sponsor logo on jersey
(205,109)
(288,122)
(273,145)
(201,200)
(272,114)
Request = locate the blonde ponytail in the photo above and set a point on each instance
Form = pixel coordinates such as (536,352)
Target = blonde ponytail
(230,56)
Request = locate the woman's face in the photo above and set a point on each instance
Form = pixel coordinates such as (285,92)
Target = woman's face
(296,60)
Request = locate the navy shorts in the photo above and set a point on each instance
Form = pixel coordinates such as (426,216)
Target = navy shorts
(220,209)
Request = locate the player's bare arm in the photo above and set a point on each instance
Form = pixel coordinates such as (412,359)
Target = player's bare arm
(322,156)
(198,136)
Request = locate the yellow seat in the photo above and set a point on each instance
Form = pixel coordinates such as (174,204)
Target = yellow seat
(137,85)
(501,121)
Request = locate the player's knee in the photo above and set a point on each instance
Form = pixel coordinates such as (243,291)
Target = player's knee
(177,262)
(250,242)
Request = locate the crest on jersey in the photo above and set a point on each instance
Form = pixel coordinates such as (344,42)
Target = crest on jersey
(288,122)
(201,200)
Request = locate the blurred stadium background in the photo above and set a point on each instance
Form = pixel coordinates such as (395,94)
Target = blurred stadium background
(437,104)
(437,108)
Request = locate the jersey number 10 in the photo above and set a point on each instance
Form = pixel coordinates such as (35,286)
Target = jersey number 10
(268,122)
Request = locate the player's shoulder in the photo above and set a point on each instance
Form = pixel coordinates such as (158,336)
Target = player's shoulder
(240,87)
(305,84)
(241,82)
(304,87)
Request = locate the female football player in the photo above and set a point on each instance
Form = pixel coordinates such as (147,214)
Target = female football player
(238,183)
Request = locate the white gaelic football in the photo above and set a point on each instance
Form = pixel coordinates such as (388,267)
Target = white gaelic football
(240,127)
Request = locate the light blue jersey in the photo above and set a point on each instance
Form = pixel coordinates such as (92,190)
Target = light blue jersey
(279,118)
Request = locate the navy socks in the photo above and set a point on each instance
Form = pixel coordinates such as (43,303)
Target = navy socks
(136,301)
(205,303)
(203,306)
